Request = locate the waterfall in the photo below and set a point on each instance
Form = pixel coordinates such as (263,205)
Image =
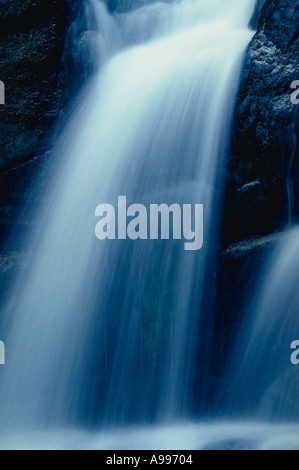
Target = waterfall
(263,381)
(113,332)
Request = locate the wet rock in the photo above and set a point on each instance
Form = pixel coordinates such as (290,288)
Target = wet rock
(32,45)
(265,137)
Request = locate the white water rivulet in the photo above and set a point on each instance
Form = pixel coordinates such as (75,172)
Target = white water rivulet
(119,334)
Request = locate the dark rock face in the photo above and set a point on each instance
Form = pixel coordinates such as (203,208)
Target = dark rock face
(264,166)
(32,44)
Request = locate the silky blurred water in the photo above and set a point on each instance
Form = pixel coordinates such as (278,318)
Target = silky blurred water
(263,382)
(223,435)
(107,334)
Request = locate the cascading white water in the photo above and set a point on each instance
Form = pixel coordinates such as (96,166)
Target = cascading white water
(116,331)
(263,381)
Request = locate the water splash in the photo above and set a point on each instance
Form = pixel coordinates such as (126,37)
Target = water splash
(222,435)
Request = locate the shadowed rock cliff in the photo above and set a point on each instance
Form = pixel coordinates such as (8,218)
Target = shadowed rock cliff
(33,42)
(264,167)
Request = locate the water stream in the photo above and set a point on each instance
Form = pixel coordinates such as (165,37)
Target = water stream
(106,334)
